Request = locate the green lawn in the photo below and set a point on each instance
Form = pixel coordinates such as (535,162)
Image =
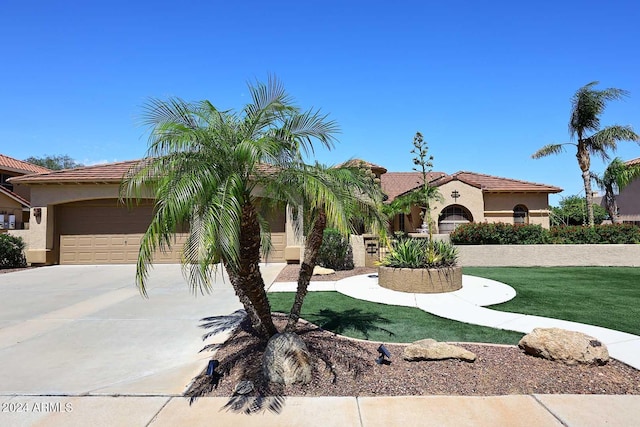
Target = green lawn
(385,323)
(601,296)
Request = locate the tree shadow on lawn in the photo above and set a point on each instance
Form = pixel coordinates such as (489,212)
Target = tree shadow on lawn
(354,319)
(240,357)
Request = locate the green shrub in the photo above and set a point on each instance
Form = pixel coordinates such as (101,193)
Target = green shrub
(11,252)
(420,253)
(499,234)
(335,251)
(607,233)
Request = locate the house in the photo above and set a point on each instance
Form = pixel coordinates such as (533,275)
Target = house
(629,200)
(471,197)
(14,199)
(77,217)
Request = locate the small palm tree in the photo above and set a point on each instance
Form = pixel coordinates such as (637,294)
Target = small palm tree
(204,168)
(587,105)
(332,197)
(615,177)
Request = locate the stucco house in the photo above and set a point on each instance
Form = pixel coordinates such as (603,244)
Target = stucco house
(471,197)
(14,198)
(77,217)
(629,200)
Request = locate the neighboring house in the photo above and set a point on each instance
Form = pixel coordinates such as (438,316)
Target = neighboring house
(77,217)
(471,197)
(14,199)
(629,200)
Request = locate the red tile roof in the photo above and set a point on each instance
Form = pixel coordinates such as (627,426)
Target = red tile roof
(633,162)
(106,173)
(15,165)
(491,183)
(357,162)
(397,183)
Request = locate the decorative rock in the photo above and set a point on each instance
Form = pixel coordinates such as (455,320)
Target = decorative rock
(570,347)
(321,271)
(244,387)
(433,350)
(287,360)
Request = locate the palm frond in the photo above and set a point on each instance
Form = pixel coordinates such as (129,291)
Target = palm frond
(548,150)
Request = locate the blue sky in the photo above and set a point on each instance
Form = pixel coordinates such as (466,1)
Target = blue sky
(487,83)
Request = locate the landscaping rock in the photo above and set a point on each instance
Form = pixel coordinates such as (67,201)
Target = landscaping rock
(287,360)
(570,347)
(321,271)
(433,350)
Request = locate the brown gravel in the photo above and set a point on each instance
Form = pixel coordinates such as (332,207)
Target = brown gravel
(290,274)
(346,367)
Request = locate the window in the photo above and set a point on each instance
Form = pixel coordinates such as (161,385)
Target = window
(453,216)
(520,215)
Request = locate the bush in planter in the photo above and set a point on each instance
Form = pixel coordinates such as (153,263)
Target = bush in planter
(12,252)
(420,253)
(335,252)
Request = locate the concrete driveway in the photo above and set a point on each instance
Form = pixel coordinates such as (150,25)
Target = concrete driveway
(75,330)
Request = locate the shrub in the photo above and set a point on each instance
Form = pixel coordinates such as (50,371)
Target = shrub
(607,233)
(420,253)
(335,251)
(11,252)
(498,234)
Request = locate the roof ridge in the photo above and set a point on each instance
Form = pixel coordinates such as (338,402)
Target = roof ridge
(502,177)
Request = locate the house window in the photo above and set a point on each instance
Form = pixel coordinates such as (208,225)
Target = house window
(452,217)
(520,215)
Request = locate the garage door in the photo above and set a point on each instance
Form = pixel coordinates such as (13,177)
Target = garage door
(105,232)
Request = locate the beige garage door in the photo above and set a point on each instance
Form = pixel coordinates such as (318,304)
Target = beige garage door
(105,232)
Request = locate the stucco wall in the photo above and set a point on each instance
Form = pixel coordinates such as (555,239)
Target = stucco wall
(468,196)
(499,207)
(548,255)
(629,199)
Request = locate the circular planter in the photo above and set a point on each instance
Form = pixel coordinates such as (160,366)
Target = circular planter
(421,280)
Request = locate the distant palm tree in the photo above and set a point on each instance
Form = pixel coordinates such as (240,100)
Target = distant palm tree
(615,177)
(338,198)
(205,168)
(588,105)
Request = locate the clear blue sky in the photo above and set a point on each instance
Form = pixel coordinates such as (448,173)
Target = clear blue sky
(487,83)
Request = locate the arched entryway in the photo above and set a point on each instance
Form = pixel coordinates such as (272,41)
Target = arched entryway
(451,217)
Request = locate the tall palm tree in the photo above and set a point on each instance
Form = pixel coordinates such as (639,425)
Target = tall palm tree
(615,177)
(330,197)
(204,167)
(587,105)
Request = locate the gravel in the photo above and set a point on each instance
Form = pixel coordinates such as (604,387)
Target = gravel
(346,367)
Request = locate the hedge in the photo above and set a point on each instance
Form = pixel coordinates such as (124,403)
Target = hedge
(508,234)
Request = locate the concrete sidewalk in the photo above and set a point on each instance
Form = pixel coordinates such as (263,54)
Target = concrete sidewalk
(443,411)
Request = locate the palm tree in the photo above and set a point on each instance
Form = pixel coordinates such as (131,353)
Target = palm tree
(615,177)
(334,197)
(204,167)
(588,104)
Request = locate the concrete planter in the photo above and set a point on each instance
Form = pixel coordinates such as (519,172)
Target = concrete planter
(421,280)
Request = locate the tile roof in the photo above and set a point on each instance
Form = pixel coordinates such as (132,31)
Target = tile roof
(105,173)
(633,162)
(397,183)
(15,165)
(491,183)
(24,202)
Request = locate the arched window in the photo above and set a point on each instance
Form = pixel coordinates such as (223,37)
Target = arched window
(520,215)
(453,216)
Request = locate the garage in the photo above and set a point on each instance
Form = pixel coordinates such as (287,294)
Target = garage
(106,232)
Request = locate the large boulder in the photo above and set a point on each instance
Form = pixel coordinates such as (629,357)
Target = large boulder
(287,360)
(429,349)
(570,347)
(322,271)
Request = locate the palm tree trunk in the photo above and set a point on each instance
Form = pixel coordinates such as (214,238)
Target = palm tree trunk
(249,276)
(312,247)
(611,205)
(584,161)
